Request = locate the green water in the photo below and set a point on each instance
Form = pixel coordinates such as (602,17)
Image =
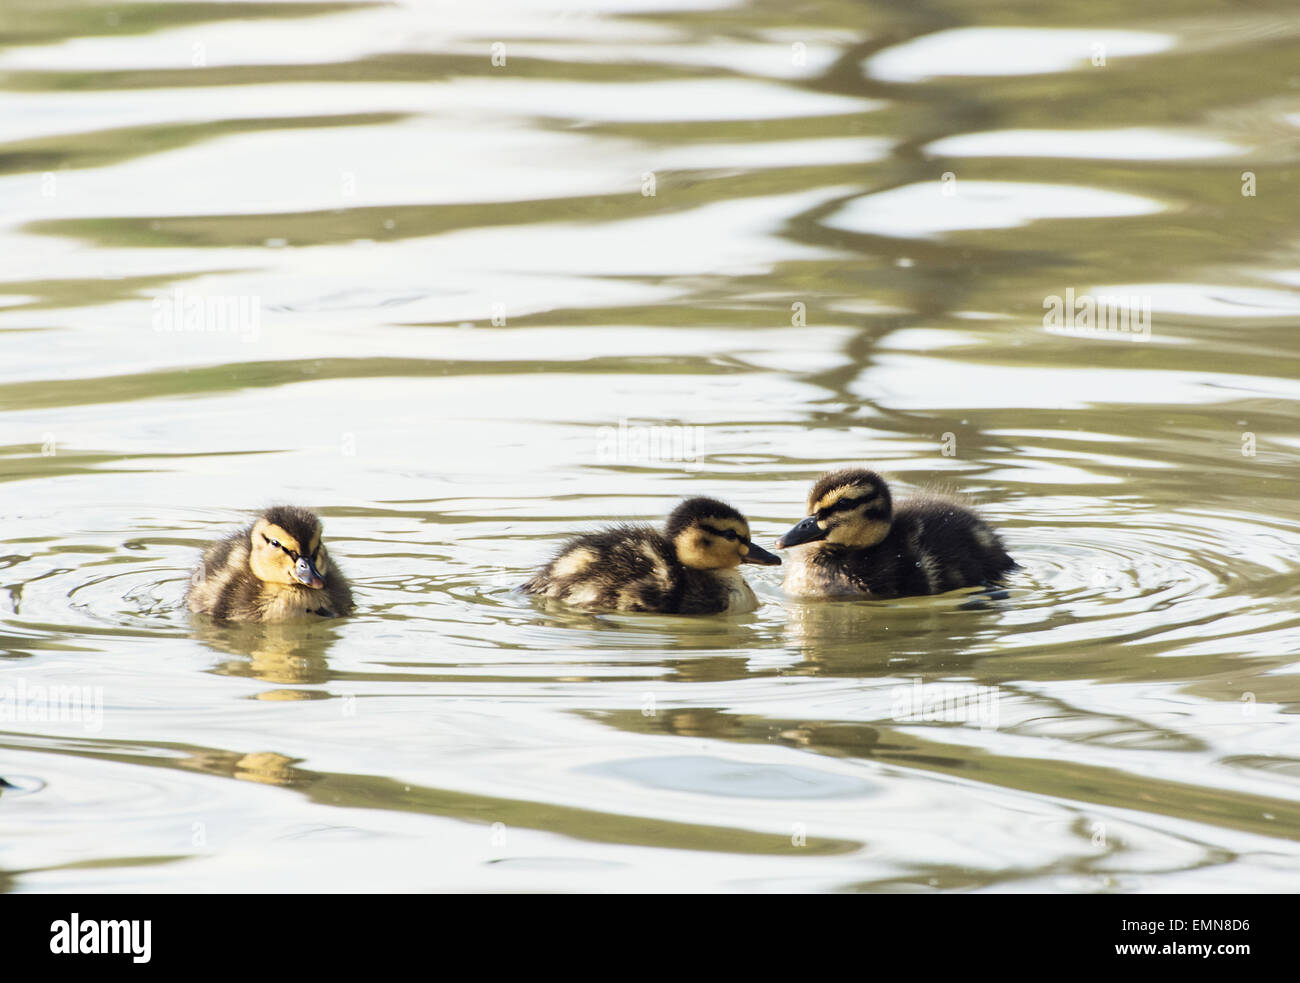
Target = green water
(469,278)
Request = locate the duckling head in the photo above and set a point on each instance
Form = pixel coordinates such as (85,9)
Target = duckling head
(851,507)
(710,535)
(285,548)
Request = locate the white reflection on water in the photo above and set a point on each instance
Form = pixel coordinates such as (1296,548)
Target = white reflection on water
(920,382)
(919,210)
(1143,655)
(708,775)
(1131,143)
(1008,51)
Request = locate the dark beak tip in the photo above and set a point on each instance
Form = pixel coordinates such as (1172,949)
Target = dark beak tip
(761,557)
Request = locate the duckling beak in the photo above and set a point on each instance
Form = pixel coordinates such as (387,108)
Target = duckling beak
(761,556)
(805,532)
(305,573)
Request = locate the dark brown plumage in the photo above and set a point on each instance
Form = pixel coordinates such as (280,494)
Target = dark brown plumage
(690,568)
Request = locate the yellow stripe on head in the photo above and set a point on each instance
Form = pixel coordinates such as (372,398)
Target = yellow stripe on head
(737,526)
(272,531)
(846,483)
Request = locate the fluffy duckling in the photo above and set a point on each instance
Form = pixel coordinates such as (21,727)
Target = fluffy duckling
(854,543)
(689,568)
(274,570)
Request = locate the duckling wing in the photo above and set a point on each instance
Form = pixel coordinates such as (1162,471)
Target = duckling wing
(222,585)
(627,568)
(939,546)
(339,592)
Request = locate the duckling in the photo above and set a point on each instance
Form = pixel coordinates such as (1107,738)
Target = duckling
(689,568)
(273,570)
(856,544)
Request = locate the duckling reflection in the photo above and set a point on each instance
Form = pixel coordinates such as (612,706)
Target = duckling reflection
(264,767)
(293,654)
(707,722)
(692,567)
(884,638)
(277,569)
(854,543)
(828,737)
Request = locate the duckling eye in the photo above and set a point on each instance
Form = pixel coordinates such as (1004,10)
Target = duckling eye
(280,546)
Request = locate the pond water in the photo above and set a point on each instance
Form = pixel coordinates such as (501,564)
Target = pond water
(468,278)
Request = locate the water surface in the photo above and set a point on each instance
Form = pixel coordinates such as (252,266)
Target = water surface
(468,278)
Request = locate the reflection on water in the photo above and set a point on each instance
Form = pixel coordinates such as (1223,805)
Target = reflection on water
(412,278)
(275,653)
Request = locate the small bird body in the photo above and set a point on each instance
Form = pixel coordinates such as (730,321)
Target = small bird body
(855,544)
(277,569)
(692,567)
